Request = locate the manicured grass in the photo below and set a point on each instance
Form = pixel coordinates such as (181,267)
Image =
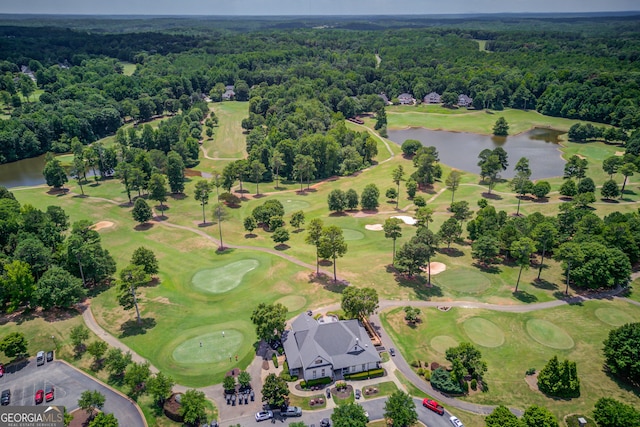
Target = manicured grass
(384,389)
(484,332)
(229,138)
(305,402)
(577,324)
(128,68)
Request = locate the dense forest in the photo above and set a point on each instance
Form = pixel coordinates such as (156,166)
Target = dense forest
(298,80)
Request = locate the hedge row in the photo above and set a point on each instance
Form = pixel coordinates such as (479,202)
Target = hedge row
(317,381)
(373,373)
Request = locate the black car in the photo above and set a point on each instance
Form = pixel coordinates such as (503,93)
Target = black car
(325,422)
(392,351)
(328,393)
(5,397)
(49,355)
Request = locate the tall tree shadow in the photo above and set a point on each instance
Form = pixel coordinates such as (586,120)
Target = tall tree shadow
(132,327)
(420,287)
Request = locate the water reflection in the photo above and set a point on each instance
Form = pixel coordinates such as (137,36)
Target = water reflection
(460,150)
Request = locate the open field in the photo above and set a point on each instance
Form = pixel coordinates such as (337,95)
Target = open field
(511,343)
(128,68)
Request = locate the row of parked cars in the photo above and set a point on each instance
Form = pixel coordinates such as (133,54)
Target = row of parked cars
(290,411)
(48,394)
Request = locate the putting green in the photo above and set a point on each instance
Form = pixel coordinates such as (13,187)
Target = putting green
(294,205)
(548,334)
(292,302)
(463,280)
(208,348)
(349,234)
(484,332)
(442,342)
(223,279)
(613,316)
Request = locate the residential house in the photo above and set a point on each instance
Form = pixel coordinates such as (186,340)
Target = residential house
(432,98)
(464,101)
(384,97)
(322,348)
(228,93)
(406,99)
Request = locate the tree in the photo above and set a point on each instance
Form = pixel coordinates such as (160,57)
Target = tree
(175,172)
(412,188)
(521,182)
(314,233)
(391,194)
(400,410)
(601,266)
(537,416)
(78,170)
(131,278)
(158,190)
(275,391)
(392,231)
(250,224)
(485,249)
(609,412)
(502,417)
(116,362)
(332,245)
(14,344)
(220,212)
(501,127)
(54,174)
(141,211)
(202,191)
(18,285)
(430,242)
(369,197)
(470,359)
(135,378)
(490,167)
(104,420)
(521,251)
(410,146)
(58,288)
(397,174)
(337,200)
(359,303)
(610,190)
(611,164)
(621,350)
(575,168)
(280,235)
(586,185)
(450,231)
(568,188)
(244,379)
(269,320)
(545,234)
(79,334)
(412,257)
(453,182)
(559,379)
(627,170)
(90,401)
(570,254)
(304,168)
(412,314)
(124,172)
(277,162)
(146,259)
(352,199)
(541,189)
(229,384)
(461,211)
(97,349)
(297,219)
(349,415)
(424,216)
(258,169)
(192,407)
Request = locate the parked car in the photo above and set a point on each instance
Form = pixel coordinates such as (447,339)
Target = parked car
(40,358)
(49,355)
(1,370)
(328,393)
(392,351)
(5,397)
(455,421)
(292,411)
(264,415)
(433,405)
(325,422)
(358,393)
(49,394)
(39,396)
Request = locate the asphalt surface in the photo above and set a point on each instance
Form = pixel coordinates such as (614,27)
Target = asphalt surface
(375,408)
(26,378)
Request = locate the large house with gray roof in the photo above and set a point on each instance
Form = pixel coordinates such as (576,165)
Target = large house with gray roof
(328,348)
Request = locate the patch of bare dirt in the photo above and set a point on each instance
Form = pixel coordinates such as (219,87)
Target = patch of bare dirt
(102,225)
(532,381)
(436,268)
(374,227)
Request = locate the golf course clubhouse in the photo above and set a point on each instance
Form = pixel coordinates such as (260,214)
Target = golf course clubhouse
(328,347)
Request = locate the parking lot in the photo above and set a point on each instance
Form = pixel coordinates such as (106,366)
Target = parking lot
(26,378)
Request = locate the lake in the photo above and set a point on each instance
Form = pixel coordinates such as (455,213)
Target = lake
(460,150)
(27,172)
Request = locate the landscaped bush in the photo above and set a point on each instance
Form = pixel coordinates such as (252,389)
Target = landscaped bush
(420,371)
(474,384)
(275,360)
(531,371)
(434,366)
(317,381)
(441,380)
(415,363)
(427,374)
(373,373)
(559,379)
(419,201)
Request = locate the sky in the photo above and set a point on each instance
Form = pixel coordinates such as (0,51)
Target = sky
(309,7)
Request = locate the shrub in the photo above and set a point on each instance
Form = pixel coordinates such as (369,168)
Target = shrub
(434,366)
(373,373)
(275,360)
(419,201)
(465,386)
(531,371)
(559,379)
(474,384)
(420,371)
(415,363)
(427,374)
(317,381)
(441,380)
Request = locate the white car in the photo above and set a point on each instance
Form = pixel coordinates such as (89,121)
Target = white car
(455,421)
(264,415)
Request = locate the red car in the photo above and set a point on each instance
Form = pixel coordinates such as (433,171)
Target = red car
(1,370)
(39,396)
(48,396)
(433,405)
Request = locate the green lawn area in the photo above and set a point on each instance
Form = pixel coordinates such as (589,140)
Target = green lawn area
(128,68)
(384,389)
(511,343)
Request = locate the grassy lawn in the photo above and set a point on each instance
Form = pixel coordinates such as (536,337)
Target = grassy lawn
(128,68)
(511,343)
(384,389)
(304,402)
(229,138)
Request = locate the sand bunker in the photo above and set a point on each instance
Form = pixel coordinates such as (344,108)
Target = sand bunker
(102,224)
(436,268)
(374,227)
(406,219)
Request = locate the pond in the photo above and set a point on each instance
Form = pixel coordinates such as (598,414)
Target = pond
(27,172)
(460,150)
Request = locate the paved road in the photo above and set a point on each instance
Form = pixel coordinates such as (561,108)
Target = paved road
(375,408)
(23,381)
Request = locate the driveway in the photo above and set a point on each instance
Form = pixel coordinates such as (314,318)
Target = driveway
(26,378)
(375,408)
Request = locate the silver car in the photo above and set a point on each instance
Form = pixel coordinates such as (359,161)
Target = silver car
(264,415)
(455,421)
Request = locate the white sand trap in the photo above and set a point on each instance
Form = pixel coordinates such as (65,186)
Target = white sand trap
(102,224)
(436,268)
(374,227)
(406,219)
